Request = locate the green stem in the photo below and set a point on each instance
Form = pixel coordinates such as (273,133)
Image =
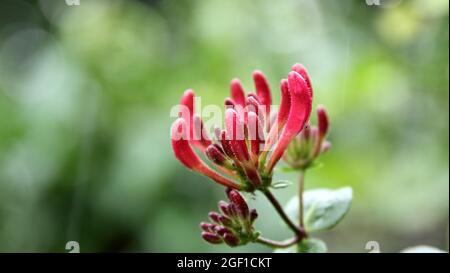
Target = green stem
(301,189)
(277,244)
(300,233)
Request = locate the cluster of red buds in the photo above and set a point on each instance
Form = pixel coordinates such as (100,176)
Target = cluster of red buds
(245,153)
(234,225)
(309,144)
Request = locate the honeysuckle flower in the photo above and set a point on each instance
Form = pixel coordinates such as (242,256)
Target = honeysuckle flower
(233,225)
(246,151)
(310,143)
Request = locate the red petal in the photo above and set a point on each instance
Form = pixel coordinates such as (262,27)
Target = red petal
(236,135)
(300,69)
(301,104)
(255,133)
(262,90)
(186,155)
(237,92)
(322,121)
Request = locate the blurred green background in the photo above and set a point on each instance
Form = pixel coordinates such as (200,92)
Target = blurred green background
(85,95)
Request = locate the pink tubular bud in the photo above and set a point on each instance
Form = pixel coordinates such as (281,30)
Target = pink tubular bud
(184,153)
(225,221)
(221,230)
(208,227)
(230,239)
(187,100)
(285,104)
(239,203)
(262,90)
(322,121)
(236,135)
(223,206)
(214,154)
(214,216)
(255,133)
(301,104)
(300,69)
(237,92)
(211,238)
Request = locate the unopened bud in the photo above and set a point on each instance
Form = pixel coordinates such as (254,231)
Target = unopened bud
(208,227)
(239,202)
(214,216)
(230,239)
(225,221)
(223,206)
(322,121)
(215,154)
(222,230)
(211,238)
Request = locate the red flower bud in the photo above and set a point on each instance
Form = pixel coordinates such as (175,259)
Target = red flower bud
(301,104)
(300,69)
(236,136)
(262,90)
(214,153)
(222,230)
(237,92)
(239,203)
(225,221)
(214,216)
(230,239)
(255,133)
(223,206)
(322,121)
(208,227)
(211,238)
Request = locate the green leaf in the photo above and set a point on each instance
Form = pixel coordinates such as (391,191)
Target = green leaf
(312,245)
(280,184)
(285,250)
(422,249)
(323,208)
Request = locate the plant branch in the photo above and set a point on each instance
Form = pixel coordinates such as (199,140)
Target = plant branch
(299,232)
(301,188)
(277,244)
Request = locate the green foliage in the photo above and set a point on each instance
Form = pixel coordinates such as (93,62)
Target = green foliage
(323,208)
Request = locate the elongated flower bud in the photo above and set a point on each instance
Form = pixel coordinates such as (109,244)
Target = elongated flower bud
(301,104)
(235,133)
(208,227)
(230,239)
(211,238)
(214,216)
(255,133)
(237,92)
(300,69)
(240,203)
(187,100)
(262,90)
(285,104)
(222,230)
(215,155)
(322,121)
